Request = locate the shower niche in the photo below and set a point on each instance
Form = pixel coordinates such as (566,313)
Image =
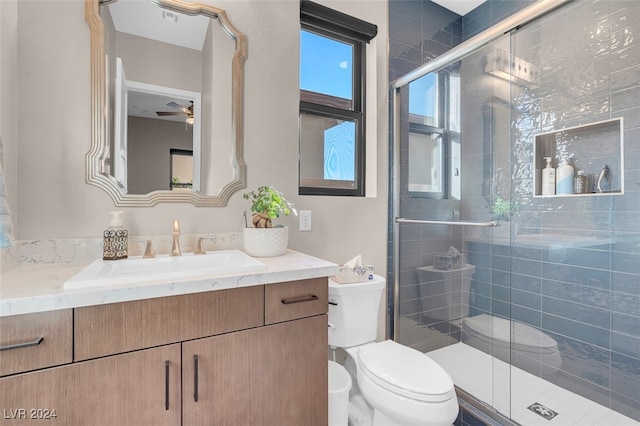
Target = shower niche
(595,148)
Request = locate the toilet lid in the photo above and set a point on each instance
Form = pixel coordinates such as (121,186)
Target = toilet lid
(498,330)
(405,371)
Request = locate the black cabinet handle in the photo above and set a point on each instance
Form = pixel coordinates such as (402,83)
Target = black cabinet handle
(166,385)
(299,299)
(22,345)
(195,378)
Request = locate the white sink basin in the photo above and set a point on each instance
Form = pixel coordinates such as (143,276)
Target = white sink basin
(163,269)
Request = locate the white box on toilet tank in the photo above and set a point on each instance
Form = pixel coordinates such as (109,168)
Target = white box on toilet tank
(353,312)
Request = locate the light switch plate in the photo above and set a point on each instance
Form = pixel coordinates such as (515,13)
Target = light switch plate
(305,220)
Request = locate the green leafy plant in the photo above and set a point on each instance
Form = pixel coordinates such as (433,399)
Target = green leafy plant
(502,208)
(267,204)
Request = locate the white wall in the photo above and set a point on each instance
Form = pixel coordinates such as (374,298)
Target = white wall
(9,100)
(54,134)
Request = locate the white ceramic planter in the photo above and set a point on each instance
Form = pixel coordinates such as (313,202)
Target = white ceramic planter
(265,242)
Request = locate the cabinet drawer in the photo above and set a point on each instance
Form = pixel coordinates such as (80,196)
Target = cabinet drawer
(120,327)
(295,299)
(33,341)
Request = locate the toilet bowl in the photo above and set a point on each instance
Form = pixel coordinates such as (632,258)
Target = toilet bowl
(393,384)
(445,295)
(405,385)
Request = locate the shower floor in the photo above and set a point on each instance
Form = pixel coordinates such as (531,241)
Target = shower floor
(488,379)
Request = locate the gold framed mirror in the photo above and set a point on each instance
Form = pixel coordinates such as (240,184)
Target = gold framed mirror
(176,94)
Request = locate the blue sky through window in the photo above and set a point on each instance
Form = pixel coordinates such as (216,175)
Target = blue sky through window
(325,65)
(422,96)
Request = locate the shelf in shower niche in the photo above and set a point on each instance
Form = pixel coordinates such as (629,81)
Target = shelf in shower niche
(588,147)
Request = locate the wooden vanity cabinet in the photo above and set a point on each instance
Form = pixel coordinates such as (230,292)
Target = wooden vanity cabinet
(137,388)
(250,356)
(271,375)
(290,384)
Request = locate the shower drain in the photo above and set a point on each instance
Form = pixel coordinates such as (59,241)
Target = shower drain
(542,411)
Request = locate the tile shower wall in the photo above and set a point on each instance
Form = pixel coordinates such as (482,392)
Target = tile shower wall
(586,295)
(418,32)
(572,265)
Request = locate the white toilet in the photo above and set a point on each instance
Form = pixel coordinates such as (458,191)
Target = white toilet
(393,385)
(511,341)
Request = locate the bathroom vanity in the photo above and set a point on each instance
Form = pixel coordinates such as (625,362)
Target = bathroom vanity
(245,349)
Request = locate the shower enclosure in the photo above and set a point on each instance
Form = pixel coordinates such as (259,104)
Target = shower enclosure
(531,302)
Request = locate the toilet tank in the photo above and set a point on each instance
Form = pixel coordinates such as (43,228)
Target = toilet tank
(353,312)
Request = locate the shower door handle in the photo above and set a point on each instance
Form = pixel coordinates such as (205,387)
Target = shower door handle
(490,224)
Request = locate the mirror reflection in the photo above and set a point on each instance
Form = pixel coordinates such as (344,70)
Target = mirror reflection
(181,171)
(172,82)
(426,143)
(433,140)
(426,158)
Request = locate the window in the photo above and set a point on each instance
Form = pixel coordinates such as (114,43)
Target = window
(332,100)
(181,169)
(428,167)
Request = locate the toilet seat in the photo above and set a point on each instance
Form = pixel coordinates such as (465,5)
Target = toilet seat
(498,331)
(405,371)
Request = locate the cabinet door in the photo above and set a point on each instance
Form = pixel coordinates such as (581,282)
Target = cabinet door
(289,384)
(215,378)
(138,388)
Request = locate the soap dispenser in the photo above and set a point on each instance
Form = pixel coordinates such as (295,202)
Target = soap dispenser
(548,178)
(116,239)
(564,177)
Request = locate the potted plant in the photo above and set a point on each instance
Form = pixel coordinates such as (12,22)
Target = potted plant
(265,240)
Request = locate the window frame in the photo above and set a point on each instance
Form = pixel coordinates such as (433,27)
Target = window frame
(440,128)
(344,28)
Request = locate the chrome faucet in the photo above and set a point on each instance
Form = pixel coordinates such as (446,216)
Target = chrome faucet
(175,247)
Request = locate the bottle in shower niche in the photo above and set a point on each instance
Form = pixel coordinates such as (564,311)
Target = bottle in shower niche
(548,178)
(116,239)
(580,183)
(564,177)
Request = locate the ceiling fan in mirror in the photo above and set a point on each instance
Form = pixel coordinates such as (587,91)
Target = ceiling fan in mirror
(180,110)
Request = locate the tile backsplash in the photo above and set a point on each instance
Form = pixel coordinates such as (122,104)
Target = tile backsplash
(85,250)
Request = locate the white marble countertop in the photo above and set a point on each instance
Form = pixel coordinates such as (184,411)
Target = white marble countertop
(39,287)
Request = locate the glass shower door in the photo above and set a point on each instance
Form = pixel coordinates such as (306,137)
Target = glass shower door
(453,181)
